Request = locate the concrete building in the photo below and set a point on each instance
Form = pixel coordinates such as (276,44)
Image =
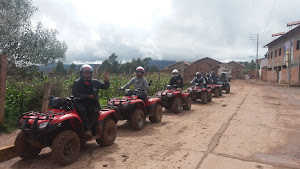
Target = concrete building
(278,52)
(224,67)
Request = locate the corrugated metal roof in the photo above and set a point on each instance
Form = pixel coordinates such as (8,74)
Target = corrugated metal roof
(278,34)
(293,23)
(286,35)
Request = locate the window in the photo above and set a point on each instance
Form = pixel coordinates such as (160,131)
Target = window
(271,54)
(268,55)
(279,54)
(275,53)
(298,41)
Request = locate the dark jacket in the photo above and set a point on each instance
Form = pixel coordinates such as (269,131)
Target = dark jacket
(200,81)
(79,89)
(174,81)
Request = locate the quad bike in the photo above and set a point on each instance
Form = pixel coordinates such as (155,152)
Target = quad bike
(225,86)
(200,91)
(60,128)
(135,110)
(173,98)
(216,89)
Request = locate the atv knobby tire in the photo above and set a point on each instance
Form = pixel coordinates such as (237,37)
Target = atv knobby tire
(188,103)
(220,92)
(209,97)
(109,133)
(65,147)
(204,98)
(24,149)
(157,114)
(138,119)
(177,105)
(227,89)
(216,92)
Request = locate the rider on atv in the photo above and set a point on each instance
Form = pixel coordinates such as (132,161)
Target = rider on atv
(198,79)
(87,88)
(213,77)
(176,79)
(208,78)
(223,77)
(139,82)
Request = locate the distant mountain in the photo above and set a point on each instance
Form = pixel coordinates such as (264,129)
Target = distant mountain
(161,64)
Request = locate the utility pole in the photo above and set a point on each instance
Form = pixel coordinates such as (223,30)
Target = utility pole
(254,37)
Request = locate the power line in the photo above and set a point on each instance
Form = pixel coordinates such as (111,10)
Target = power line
(268,19)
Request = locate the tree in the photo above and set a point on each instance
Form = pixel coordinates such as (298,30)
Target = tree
(153,68)
(23,44)
(111,64)
(72,69)
(60,69)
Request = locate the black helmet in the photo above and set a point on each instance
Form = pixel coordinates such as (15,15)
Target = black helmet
(86,69)
(207,75)
(212,73)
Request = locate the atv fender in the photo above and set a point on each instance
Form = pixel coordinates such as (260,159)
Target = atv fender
(183,95)
(107,113)
(67,117)
(152,101)
(139,104)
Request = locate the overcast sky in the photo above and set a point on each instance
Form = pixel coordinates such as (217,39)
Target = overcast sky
(181,30)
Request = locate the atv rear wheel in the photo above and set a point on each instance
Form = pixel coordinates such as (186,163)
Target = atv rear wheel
(177,105)
(204,98)
(188,103)
(24,149)
(220,92)
(66,147)
(227,89)
(216,93)
(157,114)
(138,119)
(209,97)
(109,133)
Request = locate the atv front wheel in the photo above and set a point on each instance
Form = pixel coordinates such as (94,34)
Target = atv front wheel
(24,149)
(209,97)
(216,92)
(177,105)
(138,119)
(227,89)
(66,147)
(204,98)
(157,114)
(188,103)
(109,133)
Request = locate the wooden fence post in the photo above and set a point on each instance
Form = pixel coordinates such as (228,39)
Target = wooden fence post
(47,92)
(95,73)
(3,71)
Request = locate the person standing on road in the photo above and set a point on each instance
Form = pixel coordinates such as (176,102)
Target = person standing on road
(198,79)
(87,90)
(176,79)
(139,82)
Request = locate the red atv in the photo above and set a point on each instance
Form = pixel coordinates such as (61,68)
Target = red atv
(200,91)
(135,110)
(60,128)
(174,99)
(216,89)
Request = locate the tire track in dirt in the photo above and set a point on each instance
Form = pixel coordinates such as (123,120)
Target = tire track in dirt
(215,140)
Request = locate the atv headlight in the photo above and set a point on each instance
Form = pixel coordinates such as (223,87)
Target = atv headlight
(158,94)
(198,90)
(43,125)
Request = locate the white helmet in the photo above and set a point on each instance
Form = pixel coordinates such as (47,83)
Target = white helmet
(175,72)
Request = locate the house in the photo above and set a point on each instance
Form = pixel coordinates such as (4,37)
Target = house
(237,70)
(204,65)
(263,68)
(280,51)
(180,66)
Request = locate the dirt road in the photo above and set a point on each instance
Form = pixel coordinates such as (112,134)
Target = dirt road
(257,126)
